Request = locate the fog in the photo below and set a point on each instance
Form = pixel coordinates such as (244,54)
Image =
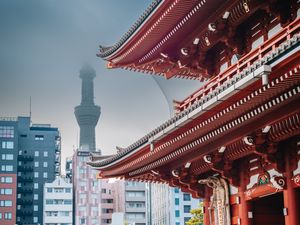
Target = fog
(43,45)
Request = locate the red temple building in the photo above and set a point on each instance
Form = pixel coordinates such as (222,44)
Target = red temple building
(235,142)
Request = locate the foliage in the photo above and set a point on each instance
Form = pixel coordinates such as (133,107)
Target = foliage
(197,216)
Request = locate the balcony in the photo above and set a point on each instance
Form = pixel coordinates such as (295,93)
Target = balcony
(135,199)
(57,148)
(24,201)
(57,159)
(25,212)
(24,168)
(25,158)
(268,50)
(25,179)
(135,209)
(25,189)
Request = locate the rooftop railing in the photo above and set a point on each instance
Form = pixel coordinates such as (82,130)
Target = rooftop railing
(9,119)
(243,63)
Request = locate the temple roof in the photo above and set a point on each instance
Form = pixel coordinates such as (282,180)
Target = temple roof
(154,41)
(214,106)
(254,100)
(108,51)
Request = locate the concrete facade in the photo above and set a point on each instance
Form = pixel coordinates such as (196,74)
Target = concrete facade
(135,203)
(30,156)
(58,202)
(93,198)
(8,170)
(39,162)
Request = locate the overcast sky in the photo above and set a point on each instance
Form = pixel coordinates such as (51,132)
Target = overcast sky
(44,43)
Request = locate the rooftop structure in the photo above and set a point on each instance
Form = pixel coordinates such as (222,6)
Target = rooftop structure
(236,139)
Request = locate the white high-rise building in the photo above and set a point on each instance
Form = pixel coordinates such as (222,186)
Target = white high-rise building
(58,202)
(169,206)
(135,203)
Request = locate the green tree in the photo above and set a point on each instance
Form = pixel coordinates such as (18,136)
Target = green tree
(197,216)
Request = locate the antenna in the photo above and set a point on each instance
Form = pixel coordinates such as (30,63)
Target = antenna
(30,107)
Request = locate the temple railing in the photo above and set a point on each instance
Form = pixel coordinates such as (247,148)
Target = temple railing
(242,64)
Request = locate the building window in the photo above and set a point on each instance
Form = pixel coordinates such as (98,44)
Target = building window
(82,220)
(177,223)
(8,216)
(186,208)
(58,190)
(35,197)
(7,157)
(36,174)
(49,202)
(7,144)
(35,208)
(0,215)
(45,154)
(7,180)
(6,132)
(45,175)
(82,208)
(36,153)
(68,202)
(7,168)
(36,185)
(68,190)
(177,213)
(50,190)
(176,190)
(5,203)
(35,219)
(45,164)
(39,137)
(52,213)
(186,197)
(64,213)
(36,164)
(186,219)
(82,170)
(6,191)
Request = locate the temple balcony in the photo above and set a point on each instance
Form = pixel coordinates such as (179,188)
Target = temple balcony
(270,49)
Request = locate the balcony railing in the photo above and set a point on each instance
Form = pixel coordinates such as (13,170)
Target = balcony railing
(268,46)
(25,189)
(57,148)
(24,201)
(25,158)
(25,179)
(25,212)
(24,168)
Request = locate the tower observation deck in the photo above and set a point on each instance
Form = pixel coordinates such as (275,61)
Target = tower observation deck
(87,113)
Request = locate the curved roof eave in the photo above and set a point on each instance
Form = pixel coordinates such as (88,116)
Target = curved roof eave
(106,52)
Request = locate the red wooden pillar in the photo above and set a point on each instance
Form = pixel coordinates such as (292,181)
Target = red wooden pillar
(290,196)
(245,206)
